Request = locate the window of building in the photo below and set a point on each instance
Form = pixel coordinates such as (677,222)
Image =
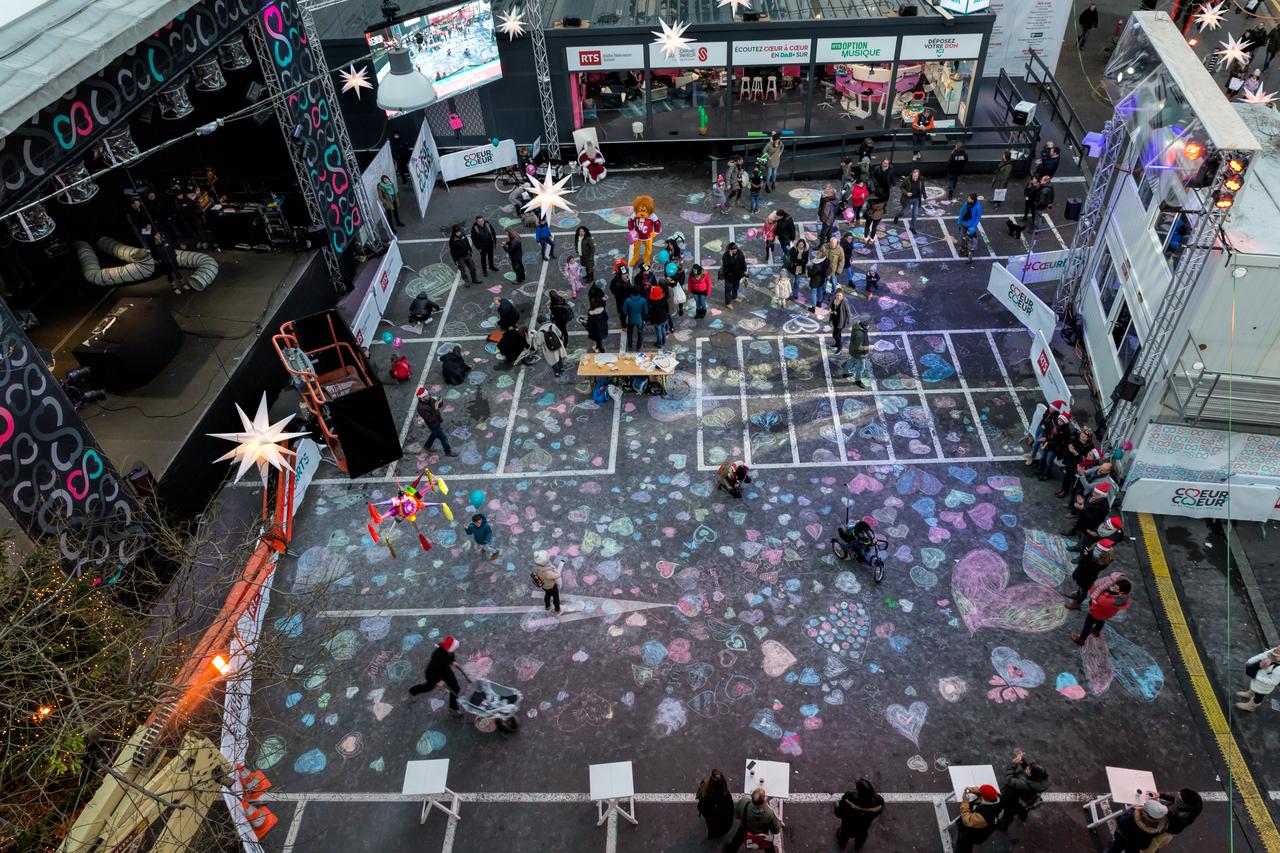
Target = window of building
(683,98)
(852,96)
(941,87)
(769,97)
(609,101)
(1108,280)
(1124,335)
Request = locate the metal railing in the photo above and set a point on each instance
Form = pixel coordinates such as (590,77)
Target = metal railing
(1047,88)
(1200,394)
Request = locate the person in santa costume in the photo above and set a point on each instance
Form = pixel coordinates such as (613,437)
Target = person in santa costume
(592,162)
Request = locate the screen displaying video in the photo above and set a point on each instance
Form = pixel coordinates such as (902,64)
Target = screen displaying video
(452,45)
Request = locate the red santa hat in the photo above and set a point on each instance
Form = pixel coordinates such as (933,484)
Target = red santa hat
(1116,522)
(1058,405)
(421,392)
(449,644)
(1105,545)
(1102,489)
(989,793)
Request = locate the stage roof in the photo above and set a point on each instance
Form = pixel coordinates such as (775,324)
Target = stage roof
(47,47)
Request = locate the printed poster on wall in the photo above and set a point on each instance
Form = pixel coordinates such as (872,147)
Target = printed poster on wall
(771,52)
(1023,26)
(424,164)
(1048,374)
(1237,501)
(872,49)
(1030,309)
(698,54)
(935,48)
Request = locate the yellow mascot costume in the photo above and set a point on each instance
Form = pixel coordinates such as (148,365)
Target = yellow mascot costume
(642,227)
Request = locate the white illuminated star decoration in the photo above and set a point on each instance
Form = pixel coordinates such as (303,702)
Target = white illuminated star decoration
(1260,97)
(1210,16)
(672,38)
(734,4)
(548,195)
(355,80)
(1234,51)
(260,442)
(512,23)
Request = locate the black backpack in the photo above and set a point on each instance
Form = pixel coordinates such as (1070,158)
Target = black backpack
(551,339)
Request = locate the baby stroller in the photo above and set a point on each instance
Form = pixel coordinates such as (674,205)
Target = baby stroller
(859,541)
(490,701)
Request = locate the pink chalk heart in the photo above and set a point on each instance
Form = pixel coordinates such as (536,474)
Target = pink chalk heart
(955,519)
(1069,687)
(790,743)
(939,534)
(815,531)
(979,584)
(918,447)
(752,617)
(862,483)
(666,569)
(984,515)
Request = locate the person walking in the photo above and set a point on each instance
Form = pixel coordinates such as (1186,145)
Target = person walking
(597,319)
(547,577)
(828,207)
(1264,671)
(561,314)
(875,213)
(841,319)
(733,177)
(1184,807)
(700,290)
(733,268)
(828,263)
(440,671)
(956,164)
(634,311)
(549,344)
(784,230)
(1139,826)
(797,265)
(429,411)
(858,365)
(1029,193)
(546,240)
(969,220)
(659,311)
(515,254)
(584,245)
(847,243)
(1024,785)
(715,804)
(485,239)
(857,810)
(858,198)
(755,818)
(388,196)
(1000,179)
(772,155)
(1090,565)
(755,184)
(769,232)
(1087,21)
(979,810)
(460,251)
(882,179)
(912,198)
(480,531)
(1103,606)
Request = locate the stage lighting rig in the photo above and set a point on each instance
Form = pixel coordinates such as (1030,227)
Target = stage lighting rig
(73,385)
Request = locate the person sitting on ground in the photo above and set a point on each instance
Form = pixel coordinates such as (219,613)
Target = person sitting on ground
(508,315)
(421,308)
(401,369)
(514,344)
(454,366)
(731,475)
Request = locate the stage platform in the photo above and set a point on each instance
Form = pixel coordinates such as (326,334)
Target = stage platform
(225,357)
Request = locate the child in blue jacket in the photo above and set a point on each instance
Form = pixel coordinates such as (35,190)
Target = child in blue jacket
(482,533)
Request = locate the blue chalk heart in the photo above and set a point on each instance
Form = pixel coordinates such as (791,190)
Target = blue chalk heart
(998,541)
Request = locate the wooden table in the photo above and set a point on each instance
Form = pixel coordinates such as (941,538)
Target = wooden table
(626,365)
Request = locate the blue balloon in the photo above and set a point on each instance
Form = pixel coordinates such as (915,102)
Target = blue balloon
(663,256)
(671,268)
(388,337)
(477,499)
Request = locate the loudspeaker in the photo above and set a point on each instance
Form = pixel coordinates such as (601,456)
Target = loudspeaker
(1072,210)
(908,11)
(1129,388)
(1023,112)
(751,17)
(571,22)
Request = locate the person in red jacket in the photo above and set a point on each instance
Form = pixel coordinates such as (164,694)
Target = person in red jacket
(699,289)
(1102,607)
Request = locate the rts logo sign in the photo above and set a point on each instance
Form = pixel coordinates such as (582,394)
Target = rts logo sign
(1042,363)
(590,57)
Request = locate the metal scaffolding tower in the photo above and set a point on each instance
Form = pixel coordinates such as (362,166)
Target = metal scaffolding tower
(542,68)
(1116,136)
(1150,359)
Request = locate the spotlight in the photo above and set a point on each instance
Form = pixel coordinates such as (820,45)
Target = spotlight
(77,375)
(1222,201)
(1193,150)
(1235,165)
(1233,183)
(220,664)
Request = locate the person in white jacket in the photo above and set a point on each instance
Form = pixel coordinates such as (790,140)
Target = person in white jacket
(543,339)
(1264,669)
(548,577)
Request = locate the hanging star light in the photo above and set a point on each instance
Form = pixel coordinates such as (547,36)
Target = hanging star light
(259,441)
(355,80)
(512,23)
(734,4)
(1234,51)
(548,195)
(1260,97)
(1210,15)
(672,38)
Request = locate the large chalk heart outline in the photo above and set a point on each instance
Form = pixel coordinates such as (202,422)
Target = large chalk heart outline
(980,587)
(1016,671)
(843,630)
(907,721)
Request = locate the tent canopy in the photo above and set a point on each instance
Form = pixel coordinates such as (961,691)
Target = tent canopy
(47,47)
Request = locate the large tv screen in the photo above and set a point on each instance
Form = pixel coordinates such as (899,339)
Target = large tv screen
(453,45)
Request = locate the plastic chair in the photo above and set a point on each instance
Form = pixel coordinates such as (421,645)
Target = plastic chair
(772,88)
(757,88)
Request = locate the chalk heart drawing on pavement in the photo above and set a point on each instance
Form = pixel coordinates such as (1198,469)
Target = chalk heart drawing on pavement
(1014,677)
(1112,657)
(979,584)
(842,630)
(907,721)
(1045,558)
